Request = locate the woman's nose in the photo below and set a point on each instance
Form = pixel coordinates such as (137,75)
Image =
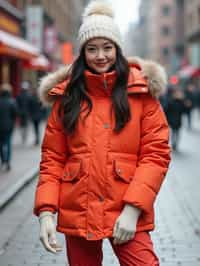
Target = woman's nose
(100,54)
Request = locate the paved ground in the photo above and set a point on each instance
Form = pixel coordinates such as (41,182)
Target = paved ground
(177,234)
(25,161)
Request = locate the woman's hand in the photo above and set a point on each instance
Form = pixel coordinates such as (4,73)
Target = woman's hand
(125,225)
(48,232)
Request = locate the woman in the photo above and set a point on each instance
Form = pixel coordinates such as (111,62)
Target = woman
(105,152)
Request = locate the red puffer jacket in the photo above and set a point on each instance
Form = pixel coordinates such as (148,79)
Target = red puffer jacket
(89,176)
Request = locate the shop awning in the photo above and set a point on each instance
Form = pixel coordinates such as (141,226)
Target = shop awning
(189,71)
(38,63)
(15,46)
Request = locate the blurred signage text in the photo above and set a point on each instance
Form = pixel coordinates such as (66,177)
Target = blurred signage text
(67,53)
(50,39)
(9,24)
(34,26)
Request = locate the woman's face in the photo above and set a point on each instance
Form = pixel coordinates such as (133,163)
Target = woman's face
(100,54)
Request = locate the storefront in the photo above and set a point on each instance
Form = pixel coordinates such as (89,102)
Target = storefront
(35,68)
(13,52)
(19,59)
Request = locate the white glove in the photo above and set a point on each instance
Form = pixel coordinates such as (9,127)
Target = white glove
(125,225)
(48,232)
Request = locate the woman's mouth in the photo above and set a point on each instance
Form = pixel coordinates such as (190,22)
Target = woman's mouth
(101,64)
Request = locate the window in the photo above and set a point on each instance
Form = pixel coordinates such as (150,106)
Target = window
(199,14)
(142,20)
(166,10)
(190,21)
(165,51)
(165,30)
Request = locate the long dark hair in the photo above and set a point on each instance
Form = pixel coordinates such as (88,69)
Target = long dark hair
(76,93)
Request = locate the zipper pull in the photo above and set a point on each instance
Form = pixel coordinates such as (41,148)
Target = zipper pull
(105,82)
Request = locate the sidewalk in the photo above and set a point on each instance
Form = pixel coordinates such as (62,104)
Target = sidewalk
(25,163)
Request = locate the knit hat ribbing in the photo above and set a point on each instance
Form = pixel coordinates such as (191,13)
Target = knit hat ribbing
(98,21)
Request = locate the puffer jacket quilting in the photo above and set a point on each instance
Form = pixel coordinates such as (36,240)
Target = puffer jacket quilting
(87,177)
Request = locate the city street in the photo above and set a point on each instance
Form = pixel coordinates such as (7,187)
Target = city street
(177,234)
(87,59)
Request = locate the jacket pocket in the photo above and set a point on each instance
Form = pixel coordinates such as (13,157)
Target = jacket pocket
(72,171)
(124,170)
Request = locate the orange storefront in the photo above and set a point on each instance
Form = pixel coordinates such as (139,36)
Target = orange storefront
(16,54)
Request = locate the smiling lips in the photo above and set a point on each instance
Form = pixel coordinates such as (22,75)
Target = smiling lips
(101,64)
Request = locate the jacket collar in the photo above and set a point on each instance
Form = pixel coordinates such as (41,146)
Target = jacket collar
(101,85)
(53,84)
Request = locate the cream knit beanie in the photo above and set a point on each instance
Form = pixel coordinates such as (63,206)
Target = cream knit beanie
(98,21)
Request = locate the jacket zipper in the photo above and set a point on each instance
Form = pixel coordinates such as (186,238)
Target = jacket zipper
(105,82)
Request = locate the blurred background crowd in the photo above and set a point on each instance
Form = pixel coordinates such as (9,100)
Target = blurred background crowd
(38,36)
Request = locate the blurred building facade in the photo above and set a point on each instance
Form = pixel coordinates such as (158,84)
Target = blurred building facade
(168,31)
(60,19)
(64,14)
(157,30)
(49,28)
(14,49)
(192,30)
(144,28)
(131,40)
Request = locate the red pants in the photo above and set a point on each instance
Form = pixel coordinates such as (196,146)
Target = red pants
(137,252)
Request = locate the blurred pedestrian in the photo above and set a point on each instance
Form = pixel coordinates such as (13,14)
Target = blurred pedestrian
(165,97)
(198,99)
(36,115)
(189,103)
(105,152)
(174,112)
(163,101)
(23,102)
(8,113)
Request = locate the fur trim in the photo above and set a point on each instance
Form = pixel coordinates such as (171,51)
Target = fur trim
(50,81)
(154,72)
(98,8)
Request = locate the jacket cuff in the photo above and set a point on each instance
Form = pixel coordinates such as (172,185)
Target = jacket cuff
(38,211)
(141,196)
(46,198)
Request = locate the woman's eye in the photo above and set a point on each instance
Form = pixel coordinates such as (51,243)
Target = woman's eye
(108,47)
(90,49)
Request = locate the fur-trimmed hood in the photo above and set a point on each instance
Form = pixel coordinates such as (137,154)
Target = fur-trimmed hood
(154,72)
